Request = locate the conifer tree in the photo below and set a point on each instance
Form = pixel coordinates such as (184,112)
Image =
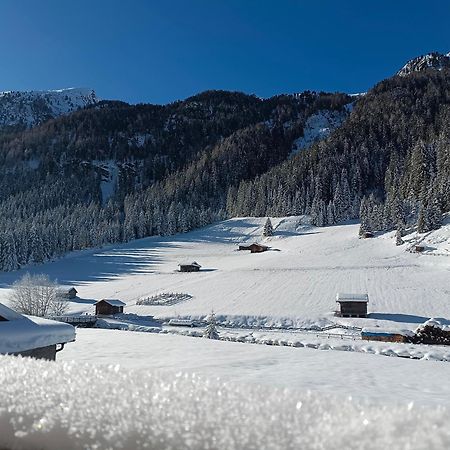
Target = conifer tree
(398,237)
(268,228)
(211,329)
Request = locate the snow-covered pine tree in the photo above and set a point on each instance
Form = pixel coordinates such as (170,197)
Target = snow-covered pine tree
(211,329)
(330,213)
(422,220)
(398,237)
(364,217)
(268,228)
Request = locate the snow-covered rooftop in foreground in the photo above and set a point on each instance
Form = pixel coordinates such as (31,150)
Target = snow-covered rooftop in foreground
(21,333)
(78,406)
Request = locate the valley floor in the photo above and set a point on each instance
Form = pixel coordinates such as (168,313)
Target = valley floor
(291,286)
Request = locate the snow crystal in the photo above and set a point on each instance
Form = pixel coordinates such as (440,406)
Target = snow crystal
(54,406)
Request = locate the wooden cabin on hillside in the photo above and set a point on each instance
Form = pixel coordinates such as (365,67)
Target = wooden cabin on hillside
(108,307)
(352,305)
(190,267)
(375,334)
(254,248)
(69,293)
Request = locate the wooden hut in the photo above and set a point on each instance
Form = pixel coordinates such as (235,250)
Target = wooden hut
(419,248)
(69,293)
(352,305)
(368,235)
(107,307)
(254,248)
(369,334)
(190,267)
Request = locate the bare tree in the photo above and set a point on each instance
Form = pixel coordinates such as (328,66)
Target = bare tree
(37,295)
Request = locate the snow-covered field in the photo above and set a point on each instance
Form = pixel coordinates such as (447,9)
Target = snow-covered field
(294,284)
(378,378)
(158,390)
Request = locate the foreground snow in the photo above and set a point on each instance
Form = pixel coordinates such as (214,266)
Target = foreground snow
(74,406)
(338,373)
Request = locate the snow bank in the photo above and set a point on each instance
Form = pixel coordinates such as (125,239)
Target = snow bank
(53,406)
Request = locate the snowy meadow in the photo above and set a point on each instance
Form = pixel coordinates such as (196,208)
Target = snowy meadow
(118,387)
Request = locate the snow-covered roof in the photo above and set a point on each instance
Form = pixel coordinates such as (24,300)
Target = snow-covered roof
(193,263)
(112,302)
(386,331)
(20,333)
(352,297)
(8,313)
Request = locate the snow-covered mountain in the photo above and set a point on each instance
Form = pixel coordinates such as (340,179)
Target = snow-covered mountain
(29,108)
(434,60)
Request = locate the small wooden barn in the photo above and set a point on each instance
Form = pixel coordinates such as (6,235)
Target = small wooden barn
(190,267)
(419,248)
(368,235)
(254,248)
(107,307)
(69,293)
(368,334)
(352,305)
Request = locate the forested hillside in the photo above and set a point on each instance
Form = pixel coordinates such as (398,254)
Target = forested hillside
(113,172)
(394,149)
(78,181)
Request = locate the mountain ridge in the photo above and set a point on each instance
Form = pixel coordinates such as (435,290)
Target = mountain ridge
(113,172)
(25,109)
(432,60)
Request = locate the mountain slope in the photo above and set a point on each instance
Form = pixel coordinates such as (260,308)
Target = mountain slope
(434,60)
(393,148)
(114,172)
(30,108)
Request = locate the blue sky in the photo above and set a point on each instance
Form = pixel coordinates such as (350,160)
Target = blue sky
(160,51)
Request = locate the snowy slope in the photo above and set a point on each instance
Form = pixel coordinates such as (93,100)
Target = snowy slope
(319,126)
(30,108)
(294,284)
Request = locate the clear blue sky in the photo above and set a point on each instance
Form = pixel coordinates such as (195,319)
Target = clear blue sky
(160,51)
